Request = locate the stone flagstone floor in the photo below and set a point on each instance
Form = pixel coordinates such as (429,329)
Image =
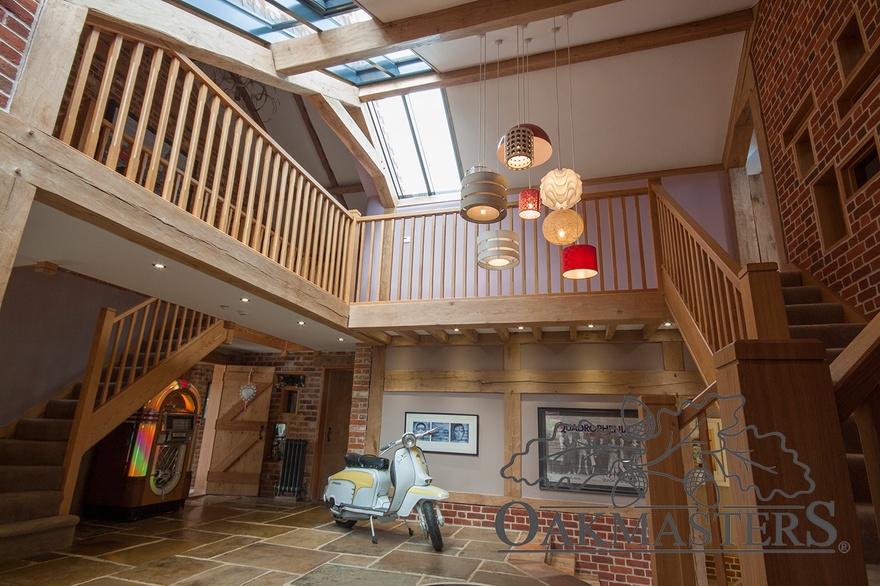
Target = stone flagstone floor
(232,541)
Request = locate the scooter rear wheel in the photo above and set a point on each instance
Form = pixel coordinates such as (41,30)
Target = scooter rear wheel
(348,524)
(432,526)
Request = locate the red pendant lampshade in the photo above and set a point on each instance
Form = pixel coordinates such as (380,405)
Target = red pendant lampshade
(579,261)
(529,204)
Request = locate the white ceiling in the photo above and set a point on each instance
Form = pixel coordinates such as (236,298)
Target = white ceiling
(647,111)
(82,248)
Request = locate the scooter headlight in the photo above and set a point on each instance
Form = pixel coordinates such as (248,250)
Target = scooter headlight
(409,440)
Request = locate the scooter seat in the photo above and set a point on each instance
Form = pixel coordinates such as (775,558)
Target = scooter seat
(366,461)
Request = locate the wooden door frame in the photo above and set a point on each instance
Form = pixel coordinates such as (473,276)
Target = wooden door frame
(316,488)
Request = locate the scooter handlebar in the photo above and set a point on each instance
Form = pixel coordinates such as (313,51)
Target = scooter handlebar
(400,441)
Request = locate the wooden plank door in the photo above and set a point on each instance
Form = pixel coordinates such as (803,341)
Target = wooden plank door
(336,417)
(240,432)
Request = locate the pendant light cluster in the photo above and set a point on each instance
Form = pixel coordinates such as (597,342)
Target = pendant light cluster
(484,192)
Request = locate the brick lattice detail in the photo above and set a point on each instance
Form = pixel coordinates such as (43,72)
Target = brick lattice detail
(794,53)
(17,18)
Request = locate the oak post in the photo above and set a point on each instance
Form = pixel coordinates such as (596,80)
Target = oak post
(665,491)
(513,442)
(764,306)
(783,387)
(868,419)
(374,404)
(16,199)
(78,444)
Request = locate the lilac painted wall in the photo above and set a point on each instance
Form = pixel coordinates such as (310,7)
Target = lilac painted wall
(706,197)
(53,319)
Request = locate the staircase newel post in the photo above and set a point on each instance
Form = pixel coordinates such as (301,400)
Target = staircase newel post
(78,442)
(790,490)
(655,229)
(763,303)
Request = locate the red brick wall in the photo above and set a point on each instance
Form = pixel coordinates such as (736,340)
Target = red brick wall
(17,19)
(360,399)
(612,569)
(199,376)
(794,53)
(304,423)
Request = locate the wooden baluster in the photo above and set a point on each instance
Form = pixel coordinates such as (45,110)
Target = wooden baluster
(259,176)
(443,258)
(193,153)
(94,127)
(421,273)
(626,253)
(177,140)
(601,251)
(238,208)
(270,246)
(123,109)
(202,186)
(399,264)
(386,258)
(454,249)
(135,160)
(359,290)
(82,78)
(431,259)
(292,229)
(139,343)
(223,223)
(266,202)
(312,228)
(162,127)
(153,311)
(644,274)
(410,273)
(308,211)
(283,228)
(329,250)
(535,267)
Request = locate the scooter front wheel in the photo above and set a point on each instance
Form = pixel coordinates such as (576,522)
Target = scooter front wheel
(348,524)
(430,524)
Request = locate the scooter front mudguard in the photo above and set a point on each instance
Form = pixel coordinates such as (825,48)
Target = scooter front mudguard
(420,493)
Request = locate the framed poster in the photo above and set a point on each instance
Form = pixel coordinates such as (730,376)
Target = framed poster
(456,433)
(587,450)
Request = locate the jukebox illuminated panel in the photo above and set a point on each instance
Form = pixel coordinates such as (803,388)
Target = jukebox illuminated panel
(143,467)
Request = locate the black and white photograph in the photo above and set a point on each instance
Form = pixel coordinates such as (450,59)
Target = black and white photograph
(455,433)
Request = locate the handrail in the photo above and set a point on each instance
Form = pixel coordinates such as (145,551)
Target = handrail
(714,299)
(433,255)
(855,373)
(155,117)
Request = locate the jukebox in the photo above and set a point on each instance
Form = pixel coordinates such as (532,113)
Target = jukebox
(142,468)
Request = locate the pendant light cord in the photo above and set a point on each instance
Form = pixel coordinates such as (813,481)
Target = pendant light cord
(482,106)
(570,99)
(556,72)
(498,86)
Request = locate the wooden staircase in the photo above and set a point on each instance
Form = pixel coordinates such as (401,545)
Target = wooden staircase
(134,355)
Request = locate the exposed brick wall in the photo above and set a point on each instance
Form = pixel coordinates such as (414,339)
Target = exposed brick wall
(360,399)
(304,423)
(17,19)
(629,568)
(794,53)
(199,376)
(731,565)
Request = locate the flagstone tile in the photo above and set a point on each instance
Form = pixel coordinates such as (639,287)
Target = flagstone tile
(64,571)
(224,575)
(332,575)
(148,552)
(293,560)
(107,543)
(302,537)
(434,565)
(216,548)
(248,529)
(167,571)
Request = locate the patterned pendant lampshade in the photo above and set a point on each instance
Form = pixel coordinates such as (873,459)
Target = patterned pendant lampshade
(542,148)
(483,196)
(579,261)
(562,227)
(529,204)
(519,148)
(561,189)
(498,249)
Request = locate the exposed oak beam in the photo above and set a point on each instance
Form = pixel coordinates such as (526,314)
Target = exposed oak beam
(349,132)
(413,337)
(633,307)
(362,40)
(316,140)
(343,189)
(440,335)
(199,39)
(573,333)
(472,336)
(649,330)
(503,333)
(593,382)
(684,33)
(493,339)
(538,333)
(268,340)
(610,330)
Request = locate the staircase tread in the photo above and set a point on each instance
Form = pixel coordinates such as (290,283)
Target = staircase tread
(34,525)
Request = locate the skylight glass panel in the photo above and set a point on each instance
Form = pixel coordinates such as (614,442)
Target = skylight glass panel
(418,144)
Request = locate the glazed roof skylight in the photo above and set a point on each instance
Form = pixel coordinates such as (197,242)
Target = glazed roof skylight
(271,21)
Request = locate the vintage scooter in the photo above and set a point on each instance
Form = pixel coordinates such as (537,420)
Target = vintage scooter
(371,487)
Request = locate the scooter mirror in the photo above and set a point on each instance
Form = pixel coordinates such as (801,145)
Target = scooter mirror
(409,440)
